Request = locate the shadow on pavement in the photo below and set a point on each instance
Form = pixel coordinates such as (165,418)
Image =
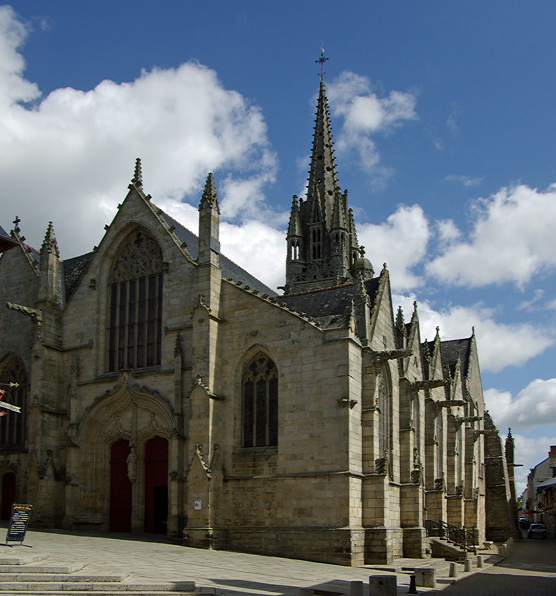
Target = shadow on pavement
(330,588)
(500,584)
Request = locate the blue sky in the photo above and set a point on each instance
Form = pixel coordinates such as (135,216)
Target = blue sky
(444,122)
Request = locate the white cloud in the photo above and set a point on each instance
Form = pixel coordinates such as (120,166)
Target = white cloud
(447,231)
(254,245)
(535,302)
(499,344)
(182,122)
(512,240)
(533,406)
(13,88)
(400,242)
(366,114)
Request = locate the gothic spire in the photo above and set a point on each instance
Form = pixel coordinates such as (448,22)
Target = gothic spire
(339,215)
(294,227)
(322,241)
(138,174)
(50,244)
(323,179)
(210,198)
(400,323)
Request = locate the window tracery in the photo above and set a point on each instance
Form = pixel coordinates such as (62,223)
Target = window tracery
(135,294)
(260,402)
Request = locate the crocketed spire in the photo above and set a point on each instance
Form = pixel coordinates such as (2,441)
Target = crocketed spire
(138,174)
(50,244)
(209,198)
(322,241)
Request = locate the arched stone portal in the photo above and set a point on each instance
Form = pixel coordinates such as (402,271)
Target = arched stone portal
(119,468)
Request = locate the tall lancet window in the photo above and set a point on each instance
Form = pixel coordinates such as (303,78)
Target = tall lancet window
(260,402)
(13,426)
(135,294)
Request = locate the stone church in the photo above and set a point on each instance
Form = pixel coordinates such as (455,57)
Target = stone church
(164,389)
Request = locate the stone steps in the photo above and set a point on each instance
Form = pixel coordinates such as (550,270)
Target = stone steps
(27,559)
(22,576)
(53,569)
(30,576)
(95,593)
(443,549)
(34,587)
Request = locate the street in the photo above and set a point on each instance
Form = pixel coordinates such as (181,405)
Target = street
(530,570)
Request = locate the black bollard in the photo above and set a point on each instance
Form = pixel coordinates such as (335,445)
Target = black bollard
(412,587)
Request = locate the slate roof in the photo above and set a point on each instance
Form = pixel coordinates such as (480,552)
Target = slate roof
(6,241)
(331,305)
(452,350)
(546,484)
(74,268)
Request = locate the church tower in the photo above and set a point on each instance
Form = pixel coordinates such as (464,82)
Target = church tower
(321,239)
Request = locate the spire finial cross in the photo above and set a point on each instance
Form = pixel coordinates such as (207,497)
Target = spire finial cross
(321,61)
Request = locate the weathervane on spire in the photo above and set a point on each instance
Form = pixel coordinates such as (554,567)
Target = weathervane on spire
(321,61)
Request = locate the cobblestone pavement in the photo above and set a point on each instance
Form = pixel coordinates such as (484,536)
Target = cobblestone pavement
(529,570)
(230,573)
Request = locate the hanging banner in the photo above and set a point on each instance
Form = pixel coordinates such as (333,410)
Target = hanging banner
(17,527)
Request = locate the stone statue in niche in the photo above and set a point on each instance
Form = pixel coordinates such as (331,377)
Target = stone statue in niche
(132,464)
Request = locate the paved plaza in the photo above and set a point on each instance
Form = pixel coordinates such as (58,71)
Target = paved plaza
(152,559)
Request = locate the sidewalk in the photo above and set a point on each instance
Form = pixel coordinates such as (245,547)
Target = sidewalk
(150,558)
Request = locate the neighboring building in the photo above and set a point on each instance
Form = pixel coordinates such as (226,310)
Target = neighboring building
(166,389)
(547,504)
(539,494)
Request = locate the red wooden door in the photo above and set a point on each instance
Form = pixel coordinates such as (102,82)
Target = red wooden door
(156,485)
(8,495)
(120,487)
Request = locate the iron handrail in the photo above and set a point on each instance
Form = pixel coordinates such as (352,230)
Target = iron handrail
(464,537)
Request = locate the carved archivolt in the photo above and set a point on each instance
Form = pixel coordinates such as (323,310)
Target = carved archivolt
(128,411)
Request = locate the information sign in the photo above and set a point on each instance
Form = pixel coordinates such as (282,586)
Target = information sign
(18,522)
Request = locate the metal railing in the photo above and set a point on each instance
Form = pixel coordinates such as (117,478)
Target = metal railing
(462,537)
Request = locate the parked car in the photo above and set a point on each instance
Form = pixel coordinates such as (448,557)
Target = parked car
(537,531)
(523,523)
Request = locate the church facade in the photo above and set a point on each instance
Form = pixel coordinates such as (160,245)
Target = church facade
(165,389)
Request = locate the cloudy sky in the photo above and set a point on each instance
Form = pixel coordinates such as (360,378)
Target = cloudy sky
(445,136)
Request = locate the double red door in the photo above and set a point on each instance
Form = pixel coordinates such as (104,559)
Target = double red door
(155,486)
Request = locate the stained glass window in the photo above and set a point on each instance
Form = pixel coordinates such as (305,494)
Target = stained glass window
(135,294)
(260,402)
